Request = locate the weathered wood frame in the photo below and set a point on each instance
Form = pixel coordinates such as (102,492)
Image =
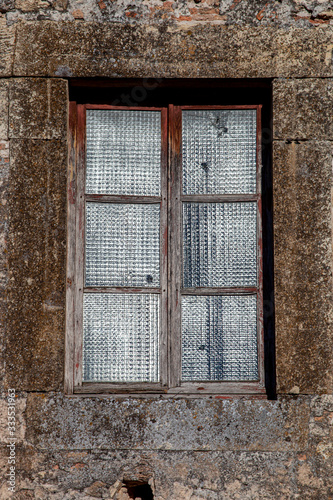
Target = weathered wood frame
(170,289)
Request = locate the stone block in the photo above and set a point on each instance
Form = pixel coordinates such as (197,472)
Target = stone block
(55,423)
(303,266)
(20,425)
(7,41)
(302,109)
(36,265)
(3,109)
(38,108)
(6,5)
(4,179)
(212,476)
(89,49)
(31,5)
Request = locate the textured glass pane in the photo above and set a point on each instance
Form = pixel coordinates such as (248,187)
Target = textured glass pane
(120,337)
(219,151)
(123,152)
(219,339)
(219,244)
(122,245)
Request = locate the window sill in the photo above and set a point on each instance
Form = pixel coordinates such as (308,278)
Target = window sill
(217,390)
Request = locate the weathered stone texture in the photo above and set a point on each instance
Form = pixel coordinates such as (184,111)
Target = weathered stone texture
(166,424)
(4,180)
(277,13)
(113,50)
(31,5)
(176,475)
(303,266)
(38,108)
(305,14)
(36,249)
(20,424)
(3,109)
(302,109)
(4,176)
(7,38)
(7,5)
(67,472)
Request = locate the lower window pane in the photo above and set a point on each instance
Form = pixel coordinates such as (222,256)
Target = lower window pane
(120,337)
(219,338)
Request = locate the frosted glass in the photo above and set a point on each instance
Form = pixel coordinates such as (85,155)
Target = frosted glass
(219,338)
(120,337)
(123,152)
(219,151)
(219,244)
(122,245)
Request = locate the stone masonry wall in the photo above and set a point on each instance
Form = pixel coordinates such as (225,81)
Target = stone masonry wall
(300,13)
(187,449)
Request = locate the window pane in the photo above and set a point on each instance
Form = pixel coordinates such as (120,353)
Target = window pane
(219,244)
(120,337)
(122,245)
(219,151)
(123,152)
(219,339)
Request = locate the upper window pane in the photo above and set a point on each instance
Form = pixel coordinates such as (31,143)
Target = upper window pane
(123,152)
(219,151)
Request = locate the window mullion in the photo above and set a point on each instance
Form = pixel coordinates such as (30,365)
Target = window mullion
(175,254)
(164,250)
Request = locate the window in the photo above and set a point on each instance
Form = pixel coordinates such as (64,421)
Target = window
(164,287)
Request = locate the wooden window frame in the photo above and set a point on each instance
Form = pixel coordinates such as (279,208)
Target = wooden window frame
(170,289)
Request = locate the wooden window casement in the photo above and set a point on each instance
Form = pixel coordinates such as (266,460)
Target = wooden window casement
(164,259)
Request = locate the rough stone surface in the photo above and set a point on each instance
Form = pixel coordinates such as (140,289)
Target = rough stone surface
(302,109)
(20,427)
(303,266)
(4,179)
(3,110)
(113,50)
(38,108)
(7,39)
(277,13)
(102,471)
(36,249)
(166,424)
(305,14)
(7,5)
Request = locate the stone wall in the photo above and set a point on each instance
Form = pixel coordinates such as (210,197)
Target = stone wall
(187,449)
(301,13)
